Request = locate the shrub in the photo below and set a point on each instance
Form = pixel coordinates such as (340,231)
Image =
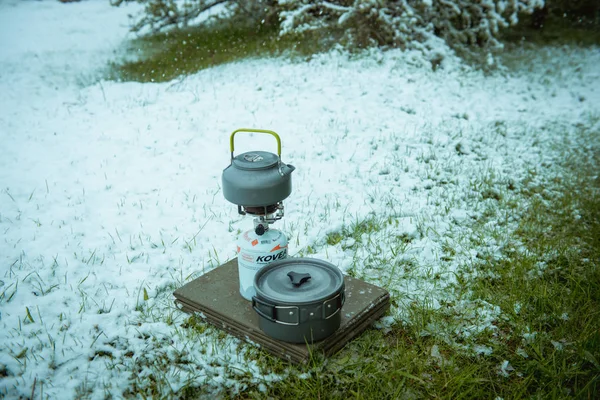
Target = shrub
(357,23)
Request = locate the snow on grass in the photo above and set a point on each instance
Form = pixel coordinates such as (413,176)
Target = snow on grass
(110,192)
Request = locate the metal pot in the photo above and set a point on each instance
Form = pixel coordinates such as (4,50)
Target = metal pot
(299,300)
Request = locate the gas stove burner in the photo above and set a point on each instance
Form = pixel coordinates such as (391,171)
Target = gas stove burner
(266,210)
(264,215)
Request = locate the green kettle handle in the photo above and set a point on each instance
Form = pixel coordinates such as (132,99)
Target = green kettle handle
(231,146)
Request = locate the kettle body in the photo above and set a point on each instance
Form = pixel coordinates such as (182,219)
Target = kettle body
(257,178)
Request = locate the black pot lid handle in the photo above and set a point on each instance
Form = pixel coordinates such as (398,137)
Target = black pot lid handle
(298,278)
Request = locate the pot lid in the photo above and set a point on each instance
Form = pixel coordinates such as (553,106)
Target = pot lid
(298,281)
(255,160)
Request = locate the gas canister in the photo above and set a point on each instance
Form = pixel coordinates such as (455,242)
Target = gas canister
(256,251)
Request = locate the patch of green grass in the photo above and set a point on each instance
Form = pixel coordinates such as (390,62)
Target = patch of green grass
(334,238)
(553,31)
(546,341)
(551,295)
(161,57)
(519,40)
(164,56)
(356,230)
(378,366)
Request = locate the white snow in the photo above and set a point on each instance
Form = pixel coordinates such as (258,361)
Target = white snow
(110,192)
(504,369)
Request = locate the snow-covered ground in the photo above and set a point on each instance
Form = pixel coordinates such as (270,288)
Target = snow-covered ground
(110,192)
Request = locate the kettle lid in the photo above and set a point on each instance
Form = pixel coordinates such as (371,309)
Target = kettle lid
(255,160)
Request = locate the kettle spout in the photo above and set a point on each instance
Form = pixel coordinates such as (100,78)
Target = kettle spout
(287,169)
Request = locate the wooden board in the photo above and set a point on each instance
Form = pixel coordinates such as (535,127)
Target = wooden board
(216,296)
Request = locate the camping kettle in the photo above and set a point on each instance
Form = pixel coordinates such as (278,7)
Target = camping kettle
(257,179)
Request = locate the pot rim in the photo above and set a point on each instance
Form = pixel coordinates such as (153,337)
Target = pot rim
(337,290)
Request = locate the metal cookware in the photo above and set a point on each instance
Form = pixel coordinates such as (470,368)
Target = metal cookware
(257,178)
(299,300)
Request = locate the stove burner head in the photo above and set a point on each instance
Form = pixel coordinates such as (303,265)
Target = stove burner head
(266,214)
(266,210)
